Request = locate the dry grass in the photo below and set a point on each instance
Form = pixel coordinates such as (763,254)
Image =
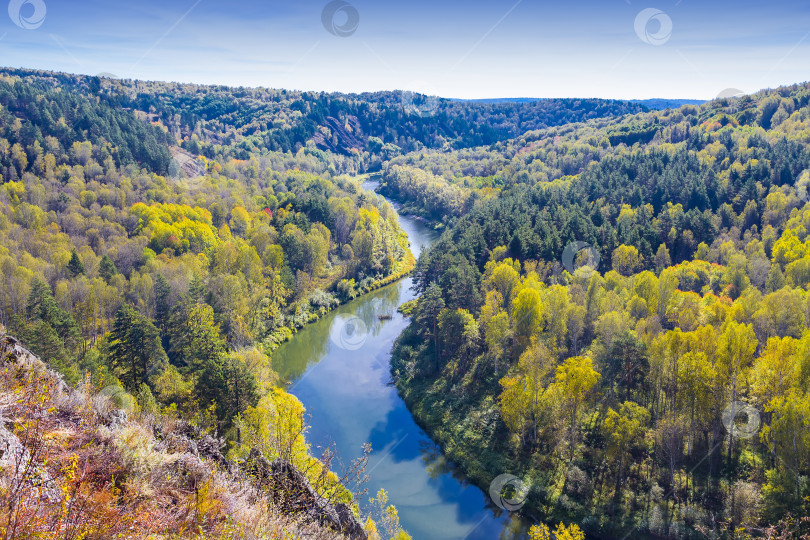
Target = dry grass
(74,468)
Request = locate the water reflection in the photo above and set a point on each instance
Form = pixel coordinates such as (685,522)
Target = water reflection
(313,342)
(347,393)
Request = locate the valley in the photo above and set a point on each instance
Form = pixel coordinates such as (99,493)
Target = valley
(490,319)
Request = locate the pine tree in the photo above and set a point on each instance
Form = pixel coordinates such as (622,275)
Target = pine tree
(428,308)
(41,306)
(136,352)
(240,390)
(162,291)
(196,341)
(75,265)
(106,268)
(196,289)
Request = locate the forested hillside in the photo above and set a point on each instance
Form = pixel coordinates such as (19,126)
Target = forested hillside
(617,312)
(225,122)
(39,119)
(688,143)
(619,315)
(165,282)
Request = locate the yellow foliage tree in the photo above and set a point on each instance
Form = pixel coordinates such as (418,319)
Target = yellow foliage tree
(626,259)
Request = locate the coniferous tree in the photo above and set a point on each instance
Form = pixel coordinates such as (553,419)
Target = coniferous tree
(49,319)
(136,352)
(196,341)
(162,291)
(428,308)
(75,265)
(106,268)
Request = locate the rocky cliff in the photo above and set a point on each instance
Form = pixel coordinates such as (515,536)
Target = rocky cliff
(72,465)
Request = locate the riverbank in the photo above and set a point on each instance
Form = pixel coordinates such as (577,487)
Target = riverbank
(339,368)
(373,182)
(402,268)
(462,419)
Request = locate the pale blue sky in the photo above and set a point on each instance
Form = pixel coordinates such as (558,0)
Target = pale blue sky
(451,48)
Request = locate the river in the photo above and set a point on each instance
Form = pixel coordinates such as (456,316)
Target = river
(339,368)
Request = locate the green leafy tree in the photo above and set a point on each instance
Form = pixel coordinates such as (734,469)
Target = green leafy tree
(776,279)
(788,437)
(221,380)
(625,430)
(535,365)
(451,326)
(196,341)
(574,382)
(527,315)
(626,259)
(662,258)
(735,351)
(496,332)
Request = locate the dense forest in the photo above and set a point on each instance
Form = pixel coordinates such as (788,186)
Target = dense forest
(618,314)
(163,279)
(617,311)
(367,129)
(442,184)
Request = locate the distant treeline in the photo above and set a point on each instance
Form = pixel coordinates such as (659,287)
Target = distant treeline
(220,120)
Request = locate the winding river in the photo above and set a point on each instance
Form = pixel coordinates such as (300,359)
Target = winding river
(339,368)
